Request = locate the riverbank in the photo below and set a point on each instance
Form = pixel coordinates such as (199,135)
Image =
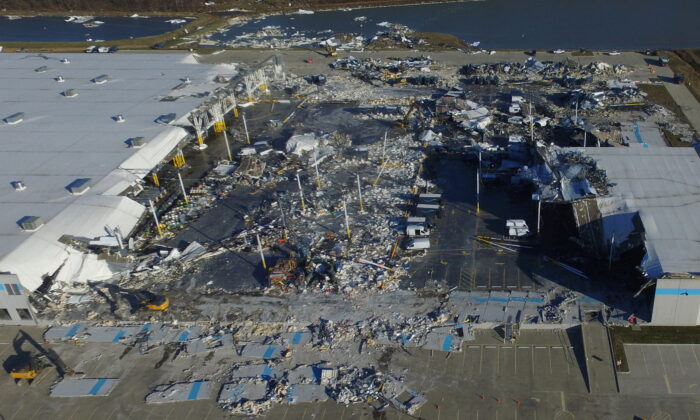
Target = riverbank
(170,8)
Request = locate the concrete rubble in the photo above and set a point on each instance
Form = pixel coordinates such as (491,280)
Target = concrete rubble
(293,256)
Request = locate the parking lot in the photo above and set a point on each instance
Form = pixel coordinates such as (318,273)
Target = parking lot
(538,377)
(456,258)
(672,369)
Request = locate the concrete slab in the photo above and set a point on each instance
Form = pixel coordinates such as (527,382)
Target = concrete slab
(262,351)
(184,391)
(84,387)
(260,371)
(233,393)
(300,393)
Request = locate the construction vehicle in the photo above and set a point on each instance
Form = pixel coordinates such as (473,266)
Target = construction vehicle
(403,122)
(28,364)
(330,51)
(127,302)
(152,302)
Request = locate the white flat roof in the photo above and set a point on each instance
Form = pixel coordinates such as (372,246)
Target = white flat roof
(663,185)
(64,138)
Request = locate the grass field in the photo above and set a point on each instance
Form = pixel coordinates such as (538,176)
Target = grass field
(658,94)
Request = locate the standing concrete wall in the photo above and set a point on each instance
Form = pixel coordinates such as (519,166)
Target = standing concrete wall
(14,302)
(676,302)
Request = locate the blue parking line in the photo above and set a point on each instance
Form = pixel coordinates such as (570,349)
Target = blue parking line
(297,338)
(497,299)
(2,287)
(74,329)
(517,299)
(638,135)
(447,343)
(184,335)
(146,327)
(536,300)
(269,352)
(119,336)
(194,391)
(404,339)
(98,385)
(266,373)
(480,300)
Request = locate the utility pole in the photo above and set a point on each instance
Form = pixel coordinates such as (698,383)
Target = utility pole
(301,194)
(532,125)
(612,246)
(262,256)
(155,217)
(478,181)
(318,177)
(182,185)
(359,192)
(245,127)
(347,220)
(284,220)
(539,212)
(228,147)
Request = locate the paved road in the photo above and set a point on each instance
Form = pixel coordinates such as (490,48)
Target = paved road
(294,60)
(690,106)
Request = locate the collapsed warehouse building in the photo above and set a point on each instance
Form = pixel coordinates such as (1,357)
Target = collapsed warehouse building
(643,201)
(79,133)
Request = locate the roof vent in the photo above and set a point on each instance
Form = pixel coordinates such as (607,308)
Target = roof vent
(166,118)
(101,79)
(15,118)
(65,61)
(18,185)
(119,118)
(42,69)
(137,142)
(70,93)
(30,223)
(60,79)
(79,186)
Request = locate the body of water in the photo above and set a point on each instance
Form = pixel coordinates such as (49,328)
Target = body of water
(56,29)
(515,24)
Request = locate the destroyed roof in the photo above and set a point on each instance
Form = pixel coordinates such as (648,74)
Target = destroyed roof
(663,185)
(56,142)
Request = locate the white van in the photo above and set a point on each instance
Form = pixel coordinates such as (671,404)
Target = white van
(246,151)
(416,244)
(430,198)
(423,210)
(417,230)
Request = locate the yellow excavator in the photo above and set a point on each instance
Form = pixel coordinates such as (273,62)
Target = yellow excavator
(330,51)
(28,363)
(403,122)
(152,302)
